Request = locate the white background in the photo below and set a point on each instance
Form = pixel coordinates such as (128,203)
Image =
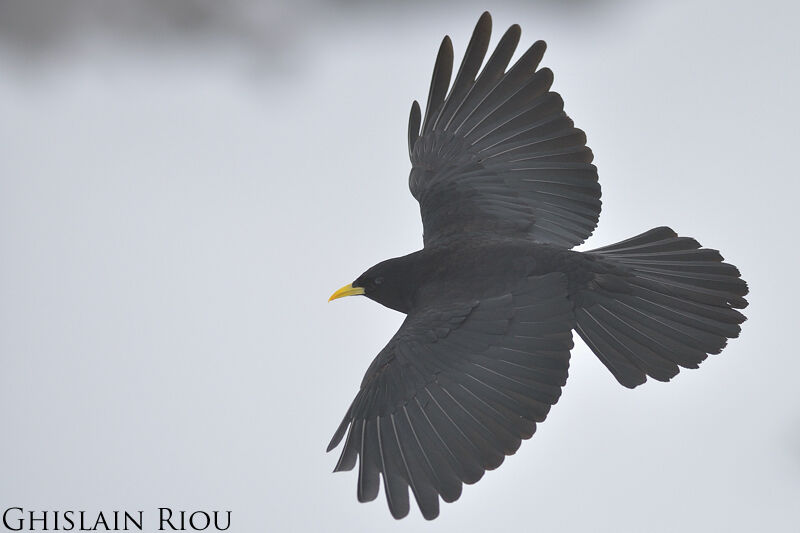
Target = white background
(182,185)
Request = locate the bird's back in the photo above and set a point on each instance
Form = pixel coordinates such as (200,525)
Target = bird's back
(478,267)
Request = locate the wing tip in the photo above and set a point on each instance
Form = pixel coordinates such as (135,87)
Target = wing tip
(444,59)
(484,23)
(339,435)
(416,112)
(414,122)
(399,512)
(447,43)
(540,46)
(483,29)
(366,498)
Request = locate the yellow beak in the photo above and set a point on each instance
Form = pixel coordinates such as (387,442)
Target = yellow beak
(347,290)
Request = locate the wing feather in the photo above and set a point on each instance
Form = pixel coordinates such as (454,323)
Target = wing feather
(440,81)
(496,150)
(455,391)
(470,65)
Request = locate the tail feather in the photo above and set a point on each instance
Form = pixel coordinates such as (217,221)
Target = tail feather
(661,302)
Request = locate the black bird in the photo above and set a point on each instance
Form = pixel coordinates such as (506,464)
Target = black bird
(506,187)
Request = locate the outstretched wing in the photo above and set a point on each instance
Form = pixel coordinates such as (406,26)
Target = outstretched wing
(498,154)
(455,391)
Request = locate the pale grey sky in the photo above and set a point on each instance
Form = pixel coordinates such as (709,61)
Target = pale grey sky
(181,191)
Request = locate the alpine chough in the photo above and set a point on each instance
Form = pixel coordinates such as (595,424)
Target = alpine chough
(506,187)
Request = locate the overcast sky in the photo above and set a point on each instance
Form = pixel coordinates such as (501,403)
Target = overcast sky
(182,186)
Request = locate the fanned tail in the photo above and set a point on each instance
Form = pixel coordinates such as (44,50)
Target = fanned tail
(659,302)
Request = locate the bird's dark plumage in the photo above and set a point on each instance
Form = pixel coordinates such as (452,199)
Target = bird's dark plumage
(499,154)
(506,186)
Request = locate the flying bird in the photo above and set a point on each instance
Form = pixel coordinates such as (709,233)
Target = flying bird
(506,187)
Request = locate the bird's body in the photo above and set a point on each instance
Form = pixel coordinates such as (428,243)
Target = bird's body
(476,268)
(506,188)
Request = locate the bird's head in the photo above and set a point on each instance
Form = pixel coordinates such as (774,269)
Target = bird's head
(389,283)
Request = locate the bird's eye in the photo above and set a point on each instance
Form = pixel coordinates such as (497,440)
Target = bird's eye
(378,281)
